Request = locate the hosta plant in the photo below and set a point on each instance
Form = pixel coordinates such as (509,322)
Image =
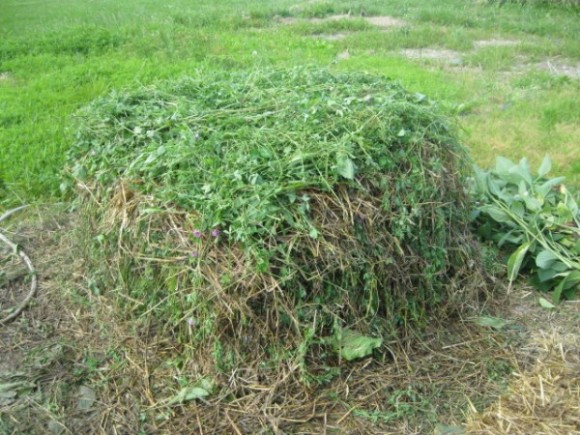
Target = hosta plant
(535,219)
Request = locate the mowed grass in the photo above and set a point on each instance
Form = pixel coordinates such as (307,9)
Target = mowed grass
(56,56)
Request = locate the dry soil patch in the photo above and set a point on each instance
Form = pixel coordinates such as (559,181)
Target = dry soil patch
(444,55)
(495,43)
(385,21)
(332,36)
(560,68)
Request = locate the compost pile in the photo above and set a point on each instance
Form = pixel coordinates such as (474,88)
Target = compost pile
(296,217)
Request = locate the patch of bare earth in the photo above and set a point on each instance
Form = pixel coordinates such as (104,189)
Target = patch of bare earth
(442,55)
(344,55)
(383,22)
(386,22)
(495,43)
(38,386)
(331,36)
(559,67)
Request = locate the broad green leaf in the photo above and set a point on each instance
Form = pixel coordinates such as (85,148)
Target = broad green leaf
(564,213)
(532,203)
(572,205)
(480,178)
(572,279)
(510,237)
(569,281)
(491,322)
(545,167)
(545,259)
(518,208)
(546,304)
(545,188)
(353,345)
(515,261)
(503,165)
(545,275)
(522,170)
(558,266)
(494,187)
(345,167)
(496,213)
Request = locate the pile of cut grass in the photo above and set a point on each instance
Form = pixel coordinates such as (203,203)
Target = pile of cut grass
(273,216)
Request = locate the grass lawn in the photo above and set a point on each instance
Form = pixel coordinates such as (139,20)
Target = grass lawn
(510,73)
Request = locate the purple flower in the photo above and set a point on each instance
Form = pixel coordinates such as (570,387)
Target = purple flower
(195,254)
(215,232)
(197,234)
(191,322)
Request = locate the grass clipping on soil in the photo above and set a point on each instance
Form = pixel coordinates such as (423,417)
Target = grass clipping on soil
(276,215)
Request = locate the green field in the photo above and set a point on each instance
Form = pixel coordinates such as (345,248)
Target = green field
(515,98)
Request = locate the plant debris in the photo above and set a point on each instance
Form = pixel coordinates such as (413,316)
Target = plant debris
(252,217)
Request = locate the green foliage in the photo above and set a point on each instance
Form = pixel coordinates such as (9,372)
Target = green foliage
(278,204)
(353,345)
(533,217)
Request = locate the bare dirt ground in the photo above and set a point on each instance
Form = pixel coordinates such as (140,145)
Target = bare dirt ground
(560,67)
(495,43)
(384,22)
(450,56)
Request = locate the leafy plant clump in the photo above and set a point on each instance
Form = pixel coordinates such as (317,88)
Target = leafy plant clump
(274,216)
(533,217)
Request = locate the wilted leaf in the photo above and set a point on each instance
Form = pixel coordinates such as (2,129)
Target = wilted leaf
(198,391)
(313,233)
(345,167)
(87,397)
(491,322)
(546,304)
(353,345)
(515,261)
